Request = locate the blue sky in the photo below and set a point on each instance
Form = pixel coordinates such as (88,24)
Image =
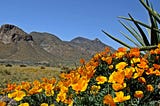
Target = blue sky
(68,19)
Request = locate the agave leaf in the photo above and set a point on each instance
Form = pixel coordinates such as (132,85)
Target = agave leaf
(135,35)
(135,32)
(148,47)
(151,11)
(154,38)
(145,25)
(141,31)
(130,39)
(115,39)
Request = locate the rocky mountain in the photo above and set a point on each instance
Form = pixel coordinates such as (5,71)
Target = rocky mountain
(19,47)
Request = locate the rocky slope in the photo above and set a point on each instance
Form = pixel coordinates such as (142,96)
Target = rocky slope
(17,46)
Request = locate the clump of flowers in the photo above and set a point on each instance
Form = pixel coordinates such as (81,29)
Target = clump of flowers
(120,78)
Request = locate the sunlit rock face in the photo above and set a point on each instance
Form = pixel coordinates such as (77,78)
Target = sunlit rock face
(11,33)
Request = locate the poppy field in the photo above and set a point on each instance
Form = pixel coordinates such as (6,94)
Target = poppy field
(125,77)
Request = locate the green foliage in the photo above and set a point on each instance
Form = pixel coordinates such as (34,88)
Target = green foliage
(142,39)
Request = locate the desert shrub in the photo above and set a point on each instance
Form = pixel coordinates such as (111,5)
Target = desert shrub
(23,65)
(8,65)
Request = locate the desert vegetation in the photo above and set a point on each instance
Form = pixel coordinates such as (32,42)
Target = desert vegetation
(16,73)
(130,76)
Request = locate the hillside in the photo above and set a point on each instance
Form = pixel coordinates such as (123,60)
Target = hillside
(19,47)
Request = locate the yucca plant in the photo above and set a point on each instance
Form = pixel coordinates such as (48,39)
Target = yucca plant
(143,41)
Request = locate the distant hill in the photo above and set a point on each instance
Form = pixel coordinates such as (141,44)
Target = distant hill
(19,47)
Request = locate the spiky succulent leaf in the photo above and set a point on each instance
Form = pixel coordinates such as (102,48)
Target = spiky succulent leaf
(145,40)
(115,39)
(130,39)
(140,23)
(151,11)
(134,34)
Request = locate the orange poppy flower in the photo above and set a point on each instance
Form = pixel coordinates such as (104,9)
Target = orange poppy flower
(135,60)
(138,73)
(117,77)
(142,80)
(17,95)
(129,72)
(24,104)
(82,61)
(121,65)
(108,100)
(49,90)
(61,96)
(150,88)
(81,85)
(108,60)
(101,79)
(138,94)
(107,49)
(120,52)
(134,52)
(94,89)
(143,64)
(120,97)
(117,86)
(3,103)
(44,104)
(122,49)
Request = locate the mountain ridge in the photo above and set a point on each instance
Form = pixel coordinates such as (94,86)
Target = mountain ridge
(42,47)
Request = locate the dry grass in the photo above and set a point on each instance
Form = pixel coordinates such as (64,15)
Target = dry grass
(18,74)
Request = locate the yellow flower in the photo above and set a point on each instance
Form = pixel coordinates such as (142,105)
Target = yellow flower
(108,60)
(138,73)
(3,103)
(150,88)
(24,104)
(35,90)
(49,90)
(101,79)
(117,77)
(26,86)
(17,95)
(108,100)
(94,89)
(129,72)
(110,67)
(120,97)
(52,105)
(121,65)
(61,96)
(36,83)
(81,85)
(44,104)
(121,52)
(138,94)
(135,60)
(159,45)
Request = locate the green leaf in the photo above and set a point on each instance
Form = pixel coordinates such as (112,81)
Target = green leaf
(130,39)
(115,39)
(151,11)
(134,34)
(143,24)
(148,47)
(141,31)
(154,38)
